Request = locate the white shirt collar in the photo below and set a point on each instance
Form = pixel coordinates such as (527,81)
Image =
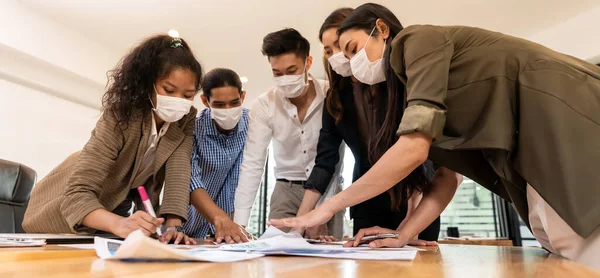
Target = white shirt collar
(154,134)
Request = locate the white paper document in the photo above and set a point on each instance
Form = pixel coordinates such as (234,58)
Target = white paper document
(21,242)
(89,246)
(275,242)
(138,247)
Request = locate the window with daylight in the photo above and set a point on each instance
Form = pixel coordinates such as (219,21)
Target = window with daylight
(474,209)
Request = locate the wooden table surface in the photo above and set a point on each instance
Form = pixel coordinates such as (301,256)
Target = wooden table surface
(447,261)
(492,242)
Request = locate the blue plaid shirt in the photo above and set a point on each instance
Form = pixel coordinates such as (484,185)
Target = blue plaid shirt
(216,161)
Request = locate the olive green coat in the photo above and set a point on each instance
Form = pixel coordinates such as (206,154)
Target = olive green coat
(505,112)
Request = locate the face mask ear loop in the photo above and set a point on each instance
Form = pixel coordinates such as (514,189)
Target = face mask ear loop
(306,71)
(370,35)
(367,42)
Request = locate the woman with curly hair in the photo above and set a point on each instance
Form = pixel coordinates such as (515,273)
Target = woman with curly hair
(143,138)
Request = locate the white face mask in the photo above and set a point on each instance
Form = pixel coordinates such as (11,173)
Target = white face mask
(226,118)
(365,71)
(292,86)
(170,109)
(340,64)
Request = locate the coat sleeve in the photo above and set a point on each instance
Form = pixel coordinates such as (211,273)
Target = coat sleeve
(176,198)
(92,171)
(422,56)
(328,155)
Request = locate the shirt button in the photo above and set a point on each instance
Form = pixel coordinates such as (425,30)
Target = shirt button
(306,170)
(302,132)
(294,116)
(304,151)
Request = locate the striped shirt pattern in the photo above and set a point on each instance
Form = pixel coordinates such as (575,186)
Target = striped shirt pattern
(216,160)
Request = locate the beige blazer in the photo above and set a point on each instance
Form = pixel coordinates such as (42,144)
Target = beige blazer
(99,176)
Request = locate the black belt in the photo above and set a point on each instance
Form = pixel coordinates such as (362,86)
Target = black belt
(292,182)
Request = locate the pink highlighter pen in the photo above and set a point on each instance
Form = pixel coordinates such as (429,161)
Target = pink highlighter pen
(148,205)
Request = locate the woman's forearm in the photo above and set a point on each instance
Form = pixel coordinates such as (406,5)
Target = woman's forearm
(309,201)
(397,163)
(173,220)
(412,204)
(102,220)
(444,185)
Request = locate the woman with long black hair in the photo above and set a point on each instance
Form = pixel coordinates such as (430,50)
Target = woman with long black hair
(354,113)
(516,117)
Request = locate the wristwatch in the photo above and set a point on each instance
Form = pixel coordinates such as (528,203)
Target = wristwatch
(178,229)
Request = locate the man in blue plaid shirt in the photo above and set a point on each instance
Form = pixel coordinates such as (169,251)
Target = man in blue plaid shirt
(220,136)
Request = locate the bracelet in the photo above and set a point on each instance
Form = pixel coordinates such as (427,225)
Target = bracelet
(178,229)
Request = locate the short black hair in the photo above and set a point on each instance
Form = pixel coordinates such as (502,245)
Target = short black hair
(218,78)
(285,41)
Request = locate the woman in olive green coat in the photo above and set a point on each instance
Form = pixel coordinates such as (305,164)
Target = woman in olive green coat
(516,117)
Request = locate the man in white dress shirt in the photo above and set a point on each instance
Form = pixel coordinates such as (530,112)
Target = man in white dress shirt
(289,115)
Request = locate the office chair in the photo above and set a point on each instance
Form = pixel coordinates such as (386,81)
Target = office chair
(16,182)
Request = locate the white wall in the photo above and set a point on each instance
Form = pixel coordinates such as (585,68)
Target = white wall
(75,54)
(577,36)
(51,84)
(40,130)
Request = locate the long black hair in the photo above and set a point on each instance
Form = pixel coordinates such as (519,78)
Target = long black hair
(337,83)
(364,18)
(131,83)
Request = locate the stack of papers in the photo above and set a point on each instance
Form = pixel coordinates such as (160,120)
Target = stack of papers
(473,238)
(21,242)
(57,238)
(138,247)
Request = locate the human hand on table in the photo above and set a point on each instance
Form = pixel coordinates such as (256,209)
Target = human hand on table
(228,231)
(319,232)
(316,217)
(399,241)
(178,237)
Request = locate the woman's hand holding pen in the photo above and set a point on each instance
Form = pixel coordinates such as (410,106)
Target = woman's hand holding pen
(140,220)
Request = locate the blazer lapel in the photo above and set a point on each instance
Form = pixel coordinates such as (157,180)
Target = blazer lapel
(146,126)
(167,145)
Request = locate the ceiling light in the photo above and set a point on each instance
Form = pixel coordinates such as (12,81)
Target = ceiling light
(244,79)
(173,33)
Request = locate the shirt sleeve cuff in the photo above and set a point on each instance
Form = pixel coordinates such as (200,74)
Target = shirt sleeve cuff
(74,212)
(242,217)
(319,180)
(196,184)
(424,119)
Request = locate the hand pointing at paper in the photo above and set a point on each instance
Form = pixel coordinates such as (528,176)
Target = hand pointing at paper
(316,217)
(377,180)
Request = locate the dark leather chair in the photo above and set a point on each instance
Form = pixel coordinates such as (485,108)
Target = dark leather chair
(16,182)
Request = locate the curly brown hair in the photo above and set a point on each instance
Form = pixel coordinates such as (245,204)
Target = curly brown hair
(130,84)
